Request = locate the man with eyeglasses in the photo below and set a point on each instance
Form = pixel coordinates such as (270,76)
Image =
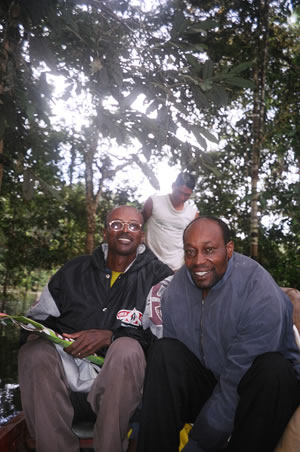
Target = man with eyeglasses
(97,301)
(166,217)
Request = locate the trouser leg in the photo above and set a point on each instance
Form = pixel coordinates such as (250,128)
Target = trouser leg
(116,393)
(269,395)
(176,387)
(45,397)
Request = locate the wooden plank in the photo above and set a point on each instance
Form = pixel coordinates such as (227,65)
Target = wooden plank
(12,434)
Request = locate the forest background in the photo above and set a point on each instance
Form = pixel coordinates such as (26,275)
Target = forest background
(212,87)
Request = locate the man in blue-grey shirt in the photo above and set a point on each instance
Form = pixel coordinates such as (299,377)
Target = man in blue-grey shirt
(228,362)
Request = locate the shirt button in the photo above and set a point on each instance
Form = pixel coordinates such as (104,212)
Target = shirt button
(107,276)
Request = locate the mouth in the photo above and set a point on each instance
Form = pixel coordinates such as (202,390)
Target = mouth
(124,240)
(202,274)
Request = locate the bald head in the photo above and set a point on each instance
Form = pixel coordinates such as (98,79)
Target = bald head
(226,233)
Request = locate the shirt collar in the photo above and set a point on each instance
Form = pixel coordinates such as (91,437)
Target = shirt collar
(140,250)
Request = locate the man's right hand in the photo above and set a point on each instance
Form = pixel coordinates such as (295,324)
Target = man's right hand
(87,342)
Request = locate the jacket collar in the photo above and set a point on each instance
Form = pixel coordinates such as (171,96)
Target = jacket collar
(140,250)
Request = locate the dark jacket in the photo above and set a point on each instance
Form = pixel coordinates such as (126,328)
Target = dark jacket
(82,293)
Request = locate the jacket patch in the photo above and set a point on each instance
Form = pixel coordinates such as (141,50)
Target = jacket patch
(130,317)
(154,300)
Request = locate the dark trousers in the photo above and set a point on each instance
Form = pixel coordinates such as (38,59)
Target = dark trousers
(177,386)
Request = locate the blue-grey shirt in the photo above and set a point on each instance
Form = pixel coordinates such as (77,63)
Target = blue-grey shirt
(243,316)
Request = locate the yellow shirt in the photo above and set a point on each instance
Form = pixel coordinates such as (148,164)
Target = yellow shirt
(114,277)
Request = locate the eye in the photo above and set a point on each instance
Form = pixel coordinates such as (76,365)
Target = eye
(209,250)
(190,252)
(134,227)
(116,225)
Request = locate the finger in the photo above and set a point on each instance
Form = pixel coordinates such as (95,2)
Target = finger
(71,336)
(72,349)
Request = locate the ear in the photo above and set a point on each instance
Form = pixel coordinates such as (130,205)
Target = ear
(230,249)
(104,235)
(142,239)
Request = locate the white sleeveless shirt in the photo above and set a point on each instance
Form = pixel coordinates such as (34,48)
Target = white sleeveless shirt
(165,227)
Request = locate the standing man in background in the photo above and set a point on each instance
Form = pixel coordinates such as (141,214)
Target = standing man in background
(166,217)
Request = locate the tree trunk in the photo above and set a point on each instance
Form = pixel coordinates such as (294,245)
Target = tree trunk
(91,227)
(90,203)
(1,164)
(258,119)
(92,199)
(8,50)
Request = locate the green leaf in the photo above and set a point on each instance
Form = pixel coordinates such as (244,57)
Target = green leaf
(208,135)
(30,111)
(67,92)
(179,24)
(198,47)
(200,98)
(204,25)
(197,30)
(212,168)
(241,67)
(241,82)
(195,62)
(208,69)
(205,86)
(199,137)
(219,96)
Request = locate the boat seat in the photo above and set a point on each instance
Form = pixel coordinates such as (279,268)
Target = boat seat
(85,432)
(84,429)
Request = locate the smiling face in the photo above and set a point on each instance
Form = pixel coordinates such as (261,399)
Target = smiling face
(124,242)
(206,254)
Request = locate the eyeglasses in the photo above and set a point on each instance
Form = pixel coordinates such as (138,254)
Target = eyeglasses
(118,225)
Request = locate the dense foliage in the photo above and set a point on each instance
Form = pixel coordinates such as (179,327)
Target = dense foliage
(179,81)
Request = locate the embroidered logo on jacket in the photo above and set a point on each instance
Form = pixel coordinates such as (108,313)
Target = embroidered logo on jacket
(133,317)
(154,300)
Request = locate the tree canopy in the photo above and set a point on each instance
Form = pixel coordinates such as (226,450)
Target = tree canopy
(212,88)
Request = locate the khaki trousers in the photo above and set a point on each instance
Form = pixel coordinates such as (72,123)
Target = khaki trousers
(114,396)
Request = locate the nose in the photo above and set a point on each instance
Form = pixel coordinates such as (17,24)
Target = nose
(199,259)
(125,228)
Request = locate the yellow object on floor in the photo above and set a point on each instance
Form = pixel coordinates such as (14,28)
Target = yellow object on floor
(184,436)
